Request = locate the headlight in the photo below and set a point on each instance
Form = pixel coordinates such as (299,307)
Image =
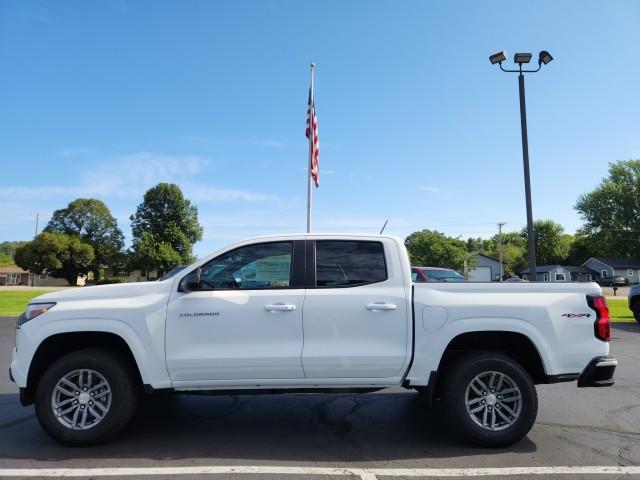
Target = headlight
(33,310)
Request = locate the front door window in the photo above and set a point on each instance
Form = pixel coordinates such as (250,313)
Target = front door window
(264,265)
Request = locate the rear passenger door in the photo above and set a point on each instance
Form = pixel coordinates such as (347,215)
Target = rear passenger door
(355,319)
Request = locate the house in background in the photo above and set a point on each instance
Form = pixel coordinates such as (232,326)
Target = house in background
(13,276)
(486,269)
(608,267)
(549,273)
(582,274)
(131,277)
(16,276)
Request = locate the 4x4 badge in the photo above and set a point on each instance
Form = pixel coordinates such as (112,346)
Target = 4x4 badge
(576,315)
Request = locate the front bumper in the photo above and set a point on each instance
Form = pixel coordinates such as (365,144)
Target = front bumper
(17,373)
(598,373)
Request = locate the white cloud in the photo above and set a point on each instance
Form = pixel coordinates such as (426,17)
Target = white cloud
(128,176)
(428,189)
(46,191)
(205,193)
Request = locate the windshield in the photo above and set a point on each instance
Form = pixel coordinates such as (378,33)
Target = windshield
(172,272)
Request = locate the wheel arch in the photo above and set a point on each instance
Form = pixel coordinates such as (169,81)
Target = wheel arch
(57,345)
(518,346)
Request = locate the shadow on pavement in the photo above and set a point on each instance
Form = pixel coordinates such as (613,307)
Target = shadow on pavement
(627,327)
(295,427)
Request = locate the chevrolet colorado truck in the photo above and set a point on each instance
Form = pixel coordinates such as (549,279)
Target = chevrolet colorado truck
(308,313)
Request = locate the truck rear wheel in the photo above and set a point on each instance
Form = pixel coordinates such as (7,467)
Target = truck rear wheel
(86,397)
(490,399)
(636,311)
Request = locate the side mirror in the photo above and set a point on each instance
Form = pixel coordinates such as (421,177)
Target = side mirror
(191,282)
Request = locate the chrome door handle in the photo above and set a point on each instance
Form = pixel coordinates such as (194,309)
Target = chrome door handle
(378,306)
(279,307)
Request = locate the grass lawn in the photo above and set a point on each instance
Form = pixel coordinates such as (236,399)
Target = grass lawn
(14,303)
(619,310)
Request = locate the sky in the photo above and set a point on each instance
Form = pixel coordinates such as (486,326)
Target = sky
(106,99)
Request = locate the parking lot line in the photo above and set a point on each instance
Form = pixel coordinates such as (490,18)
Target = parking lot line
(363,473)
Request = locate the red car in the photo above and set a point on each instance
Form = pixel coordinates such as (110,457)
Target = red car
(435,274)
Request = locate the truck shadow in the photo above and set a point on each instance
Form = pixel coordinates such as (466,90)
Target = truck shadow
(626,327)
(253,429)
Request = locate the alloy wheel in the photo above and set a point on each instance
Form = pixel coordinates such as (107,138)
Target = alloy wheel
(493,401)
(81,399)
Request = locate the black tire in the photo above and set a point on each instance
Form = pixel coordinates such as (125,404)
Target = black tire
(125,393)
(636,311)
(459,377)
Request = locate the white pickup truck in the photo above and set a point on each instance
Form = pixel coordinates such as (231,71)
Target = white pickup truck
(310,313)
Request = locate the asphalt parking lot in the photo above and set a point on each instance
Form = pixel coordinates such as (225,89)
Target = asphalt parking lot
(381,435)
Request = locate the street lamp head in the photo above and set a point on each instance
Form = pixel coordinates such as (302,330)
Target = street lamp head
(522,58)
(544,57)
(498,57)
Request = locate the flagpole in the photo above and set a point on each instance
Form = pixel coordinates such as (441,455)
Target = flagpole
(309,190)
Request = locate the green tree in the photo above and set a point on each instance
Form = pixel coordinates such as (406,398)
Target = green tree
(150,254)
(91,220)
(476,245)
(5,260)
(612,211)
(583,248)
(165,227)
(552,244)
(58,254)
(514,251)
(7,250)
(435,249)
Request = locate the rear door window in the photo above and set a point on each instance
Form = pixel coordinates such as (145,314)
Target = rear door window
(346,263)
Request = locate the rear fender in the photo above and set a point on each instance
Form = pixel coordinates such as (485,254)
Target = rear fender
(430,347)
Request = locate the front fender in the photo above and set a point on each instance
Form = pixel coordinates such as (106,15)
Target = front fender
(149,360)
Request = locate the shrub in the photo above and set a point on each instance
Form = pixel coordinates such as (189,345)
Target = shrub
(107,281)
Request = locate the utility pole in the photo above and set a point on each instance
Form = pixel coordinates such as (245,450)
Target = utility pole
(32,277)
(500,225)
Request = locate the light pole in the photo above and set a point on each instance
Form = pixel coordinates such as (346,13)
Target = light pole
(544,57)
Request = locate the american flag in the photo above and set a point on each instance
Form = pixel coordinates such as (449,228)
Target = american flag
(314,140)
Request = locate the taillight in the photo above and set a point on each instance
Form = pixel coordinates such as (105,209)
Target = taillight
(602,327)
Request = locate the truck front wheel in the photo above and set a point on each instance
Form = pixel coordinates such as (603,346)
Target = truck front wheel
(490,399)
(86,397)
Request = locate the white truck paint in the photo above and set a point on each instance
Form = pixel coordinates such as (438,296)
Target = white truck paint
(375,335)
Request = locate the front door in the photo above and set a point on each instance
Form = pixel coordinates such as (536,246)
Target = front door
(243,322)
(356,318)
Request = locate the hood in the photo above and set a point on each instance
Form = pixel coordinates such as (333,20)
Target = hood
(116,290)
